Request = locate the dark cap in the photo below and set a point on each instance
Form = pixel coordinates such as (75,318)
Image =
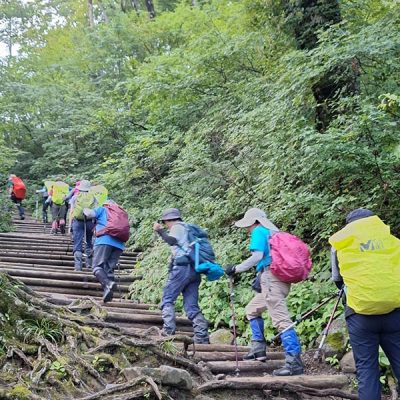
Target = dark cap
(358,213)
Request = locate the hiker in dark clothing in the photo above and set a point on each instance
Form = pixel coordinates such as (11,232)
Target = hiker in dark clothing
(44,192)
(366,259)
(182,278)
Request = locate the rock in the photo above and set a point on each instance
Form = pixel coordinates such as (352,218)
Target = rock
(176,377)
(347,363)
(165,375)
(221,336)
(336,341)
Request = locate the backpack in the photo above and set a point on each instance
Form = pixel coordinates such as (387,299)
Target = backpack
(202,254)
(369,262)
(101,194)
(19,188)
(291,259)
(83,200)
(59,191)
(117,223)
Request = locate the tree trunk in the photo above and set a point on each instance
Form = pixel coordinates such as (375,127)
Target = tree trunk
(10,39)
(150,8)
(90,13)
(306,18)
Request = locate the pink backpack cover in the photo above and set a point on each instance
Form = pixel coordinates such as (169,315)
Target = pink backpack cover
(291,259)
(117,223)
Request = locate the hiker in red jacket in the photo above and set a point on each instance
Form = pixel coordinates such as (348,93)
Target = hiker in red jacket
(17,190)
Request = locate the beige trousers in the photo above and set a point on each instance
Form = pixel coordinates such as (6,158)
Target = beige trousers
(272,298)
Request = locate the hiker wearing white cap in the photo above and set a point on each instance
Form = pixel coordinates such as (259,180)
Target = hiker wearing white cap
(182,277)
(271,297)
(82,226)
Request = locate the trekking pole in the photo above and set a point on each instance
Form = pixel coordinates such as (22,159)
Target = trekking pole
(326,330)
(302,318)
(232,304)
(37,208)
(119,281)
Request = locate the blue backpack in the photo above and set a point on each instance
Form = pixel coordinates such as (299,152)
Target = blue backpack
(202,254)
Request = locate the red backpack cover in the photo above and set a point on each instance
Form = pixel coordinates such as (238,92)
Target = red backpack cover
(117,223)
(291,259)
(19,188)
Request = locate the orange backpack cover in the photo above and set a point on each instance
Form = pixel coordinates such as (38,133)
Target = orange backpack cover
(19,188)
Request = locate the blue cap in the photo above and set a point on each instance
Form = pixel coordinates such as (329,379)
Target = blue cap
(358,213)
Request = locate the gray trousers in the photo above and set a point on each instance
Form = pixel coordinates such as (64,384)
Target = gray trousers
(106,257)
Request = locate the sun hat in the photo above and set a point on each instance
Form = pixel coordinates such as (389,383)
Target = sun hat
(171,214)
(358,213)
(84,186)
(252,216)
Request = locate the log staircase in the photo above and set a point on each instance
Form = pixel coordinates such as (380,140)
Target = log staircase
(44,263)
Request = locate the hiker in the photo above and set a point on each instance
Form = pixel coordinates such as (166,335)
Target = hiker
(366,259)
(272,297)
(82,229)
(182,277)
(17,192)
(112,231)
(44,192)
(57,193)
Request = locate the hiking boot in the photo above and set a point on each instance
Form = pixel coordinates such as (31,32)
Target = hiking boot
(200,328)
(107,285)
(62,229)
(257,352)
(293,366)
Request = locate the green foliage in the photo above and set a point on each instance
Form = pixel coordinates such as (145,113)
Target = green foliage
(211,109)
(35,330)
(59,368)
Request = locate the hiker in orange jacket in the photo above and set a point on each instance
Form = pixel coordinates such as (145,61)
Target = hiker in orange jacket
(17,190)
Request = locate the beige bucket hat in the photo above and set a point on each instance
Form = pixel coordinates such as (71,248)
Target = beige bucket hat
(255,214)
(84,186)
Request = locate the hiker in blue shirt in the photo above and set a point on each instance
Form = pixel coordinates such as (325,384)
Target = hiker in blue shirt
(271,295)
(107,251)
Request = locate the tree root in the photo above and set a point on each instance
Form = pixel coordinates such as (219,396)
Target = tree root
(127,390)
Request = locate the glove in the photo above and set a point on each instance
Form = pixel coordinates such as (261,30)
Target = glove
(230,270)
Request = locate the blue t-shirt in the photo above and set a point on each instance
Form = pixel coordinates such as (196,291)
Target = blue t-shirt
(101,221)
(259,241)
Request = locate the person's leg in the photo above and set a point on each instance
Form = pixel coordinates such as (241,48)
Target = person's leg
(390,340)
(277,291)
(89,243)
(191,305)
(55,209)
(112,262)
(100,258)
(364,340)
(177,280)
(254,310)
(78,232)
(21,209)
(44,209)
(63,214)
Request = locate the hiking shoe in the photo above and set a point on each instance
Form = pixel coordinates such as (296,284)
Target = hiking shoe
(257,352)
(293,366)
(108,293)
(62,229)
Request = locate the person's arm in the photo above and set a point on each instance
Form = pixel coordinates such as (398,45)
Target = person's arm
(336,277)
(254,259)
(171,240)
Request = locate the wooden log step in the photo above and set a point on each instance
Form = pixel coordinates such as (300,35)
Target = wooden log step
(97,292)
(52,283)
(181,329)
(59,265)
(71,276)
(148,319)
(65,299)
(218,347)
(268,382)
(218,367)
(55,268)
(231,356)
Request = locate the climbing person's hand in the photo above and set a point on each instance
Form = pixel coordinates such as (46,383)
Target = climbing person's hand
(157,227)
(230,270)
